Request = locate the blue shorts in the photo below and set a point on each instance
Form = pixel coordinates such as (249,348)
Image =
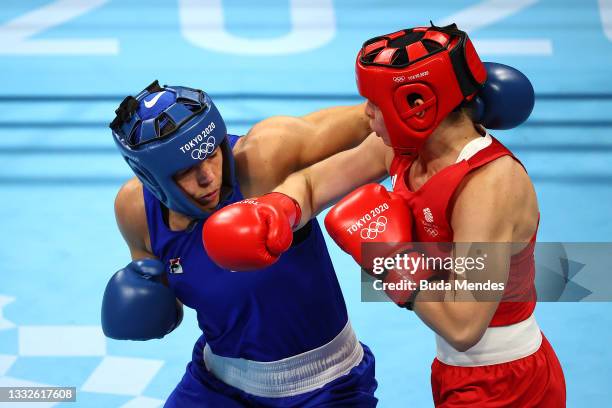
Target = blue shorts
(199,388)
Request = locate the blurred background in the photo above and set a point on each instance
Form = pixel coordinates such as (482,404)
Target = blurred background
(66,64)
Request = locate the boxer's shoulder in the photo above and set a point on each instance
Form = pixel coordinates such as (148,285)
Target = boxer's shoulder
(267,154)
(129,200)
(503,169)
(131,216)
(498,192)
(280,124)
(271,135)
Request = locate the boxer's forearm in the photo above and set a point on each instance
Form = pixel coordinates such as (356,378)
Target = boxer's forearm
(337,129)
(297,186)
(322,184)
(456,312)
(461,324)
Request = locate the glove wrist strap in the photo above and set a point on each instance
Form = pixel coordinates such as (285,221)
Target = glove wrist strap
(287,204)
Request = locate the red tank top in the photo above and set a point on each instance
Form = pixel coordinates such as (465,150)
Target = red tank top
(431,208)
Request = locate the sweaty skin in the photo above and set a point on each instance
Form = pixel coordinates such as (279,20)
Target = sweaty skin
(496,203)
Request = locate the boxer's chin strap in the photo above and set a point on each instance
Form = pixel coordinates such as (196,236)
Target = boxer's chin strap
(408,152)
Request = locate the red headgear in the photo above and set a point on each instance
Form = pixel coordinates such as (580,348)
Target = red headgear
(436,64)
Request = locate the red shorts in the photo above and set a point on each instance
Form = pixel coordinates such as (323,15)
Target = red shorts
(533,381)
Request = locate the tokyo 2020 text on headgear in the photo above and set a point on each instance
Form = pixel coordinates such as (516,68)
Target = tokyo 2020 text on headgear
(436,64)
(167,129)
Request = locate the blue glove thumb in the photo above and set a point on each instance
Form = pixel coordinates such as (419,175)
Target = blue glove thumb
(506,99)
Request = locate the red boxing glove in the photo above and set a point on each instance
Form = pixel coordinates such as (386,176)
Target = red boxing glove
(413,269)
(252,233)
(403,284)
(370,214)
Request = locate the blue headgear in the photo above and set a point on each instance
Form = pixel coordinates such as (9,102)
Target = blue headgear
(167,129)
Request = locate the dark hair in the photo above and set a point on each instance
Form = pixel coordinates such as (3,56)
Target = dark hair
(464,108)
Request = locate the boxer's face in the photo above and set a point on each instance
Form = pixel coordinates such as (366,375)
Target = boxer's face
(202,182)
(377,123)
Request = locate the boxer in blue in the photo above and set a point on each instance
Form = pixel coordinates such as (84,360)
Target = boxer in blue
(278,336)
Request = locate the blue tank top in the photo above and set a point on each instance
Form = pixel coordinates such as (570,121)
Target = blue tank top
(286,309)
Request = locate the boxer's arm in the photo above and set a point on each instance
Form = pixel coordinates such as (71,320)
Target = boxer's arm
(322,184)
(487,208)
(132,220)
(279,146)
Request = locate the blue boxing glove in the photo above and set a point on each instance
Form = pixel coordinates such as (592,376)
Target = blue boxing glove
(506,99)
(137,305)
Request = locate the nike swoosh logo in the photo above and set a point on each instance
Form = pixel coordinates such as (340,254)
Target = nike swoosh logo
(152,102)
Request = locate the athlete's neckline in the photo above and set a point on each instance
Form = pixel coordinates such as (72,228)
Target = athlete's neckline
(468,151)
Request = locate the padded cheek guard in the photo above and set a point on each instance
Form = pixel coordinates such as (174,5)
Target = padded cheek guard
(436,64)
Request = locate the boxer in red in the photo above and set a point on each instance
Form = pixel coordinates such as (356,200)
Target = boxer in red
(430,101)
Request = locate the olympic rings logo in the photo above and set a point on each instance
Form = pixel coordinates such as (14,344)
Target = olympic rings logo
(204,149)
(374,228)
(399,79)
(431,231)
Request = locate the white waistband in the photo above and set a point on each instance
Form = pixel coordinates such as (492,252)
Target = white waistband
(498,345)
(293,375)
